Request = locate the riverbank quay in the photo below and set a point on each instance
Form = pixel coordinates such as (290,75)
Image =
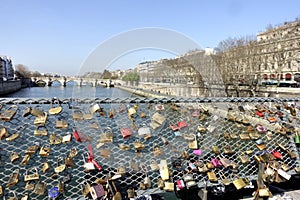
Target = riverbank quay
(10,86)
(141,92)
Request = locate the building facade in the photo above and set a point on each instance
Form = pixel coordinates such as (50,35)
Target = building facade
(280,52)
(6,68)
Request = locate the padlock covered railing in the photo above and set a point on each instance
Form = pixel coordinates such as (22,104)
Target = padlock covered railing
(189,142)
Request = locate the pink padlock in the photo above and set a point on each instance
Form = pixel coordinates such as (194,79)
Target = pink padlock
(216,162)
(197,152)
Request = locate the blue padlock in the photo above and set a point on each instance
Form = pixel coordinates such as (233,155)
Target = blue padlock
(53,193)
(177,134)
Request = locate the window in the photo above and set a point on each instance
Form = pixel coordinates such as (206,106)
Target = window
(288,77)
(290,54)
(266,67)
(265,77)
(289,65)
(272,76)
(273,66)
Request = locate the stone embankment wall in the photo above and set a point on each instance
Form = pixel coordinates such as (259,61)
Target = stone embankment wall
(9,86)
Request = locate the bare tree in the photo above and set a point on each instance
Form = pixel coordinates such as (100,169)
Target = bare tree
(22,71)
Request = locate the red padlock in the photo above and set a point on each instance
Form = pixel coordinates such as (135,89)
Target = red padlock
(260,114)
(277,154)
(126,132)
(76,135)
(91,158)
(182,124)
(180,184)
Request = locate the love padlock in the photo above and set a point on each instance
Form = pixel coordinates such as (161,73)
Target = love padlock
(277,154)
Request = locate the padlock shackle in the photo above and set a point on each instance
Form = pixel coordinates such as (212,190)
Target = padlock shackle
(90,150)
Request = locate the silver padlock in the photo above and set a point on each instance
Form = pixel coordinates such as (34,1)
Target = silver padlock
(203,193)
(144,130)
(94,108)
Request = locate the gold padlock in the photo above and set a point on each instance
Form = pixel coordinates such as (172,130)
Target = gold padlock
(14,156)
(9,113)
(77,115)
(264,192)
(1,190)
(55,109)
(12,137)
(73,152)
(45,167)
(193,144)
(25,160)
(39,188)
(25,196)
(29,185)
(87,115)
(121,170)
(40,131)
(94,125)
(138,145)
(54,139)
(224,179)
(32,149)
(61,187)
(41,120)
(61,123)
(45,151)
(13,178)
(37,112)
(131,111)
(164,170)
(215,149)
(244,158)
(157,151)
(212,176)
(239,183)
(106,136)
(60,167)
(85,189)
(158,118)
(169,187)
(69,162)
(32,176)
(3,133)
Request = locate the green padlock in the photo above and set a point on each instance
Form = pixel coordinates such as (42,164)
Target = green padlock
(297,141)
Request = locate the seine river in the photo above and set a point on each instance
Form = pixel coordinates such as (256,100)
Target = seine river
(69,92)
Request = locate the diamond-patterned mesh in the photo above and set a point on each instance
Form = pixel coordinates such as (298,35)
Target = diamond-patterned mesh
(214,121)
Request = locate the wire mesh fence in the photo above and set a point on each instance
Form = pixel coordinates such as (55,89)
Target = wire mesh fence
(188,135)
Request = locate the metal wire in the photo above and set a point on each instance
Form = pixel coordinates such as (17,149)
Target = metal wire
(215,121)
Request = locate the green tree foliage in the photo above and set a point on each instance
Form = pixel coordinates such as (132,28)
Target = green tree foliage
(131,77)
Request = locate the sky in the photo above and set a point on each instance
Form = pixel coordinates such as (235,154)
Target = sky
(58,36)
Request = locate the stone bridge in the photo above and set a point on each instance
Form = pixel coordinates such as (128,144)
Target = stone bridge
(63,80)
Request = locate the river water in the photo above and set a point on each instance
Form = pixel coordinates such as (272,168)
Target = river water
(70,92)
